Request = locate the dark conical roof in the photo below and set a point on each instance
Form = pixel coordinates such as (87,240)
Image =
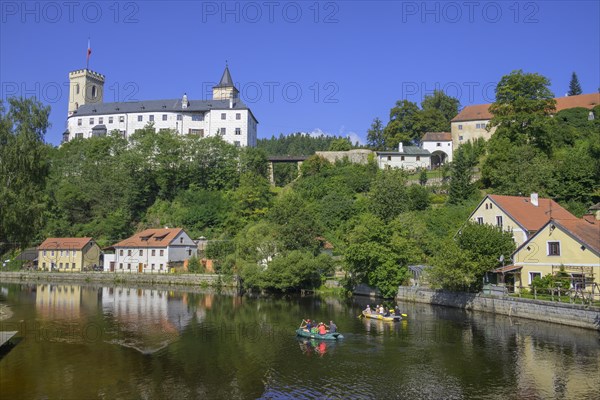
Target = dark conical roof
(226,80)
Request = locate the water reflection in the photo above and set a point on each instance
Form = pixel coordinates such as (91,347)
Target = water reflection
(157,343)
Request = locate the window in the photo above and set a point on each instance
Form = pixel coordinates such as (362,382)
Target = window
(460,138)
(121,252)
(141,252)
(120,265)
(129,252)
(238,116)
(60,265)
(140,118)
(153,252)
(77,89)
(418,158)
(94,91)
(499,220)
(72,265)
(129,266)
(401,158)
(79,122)
(533,275)
(101,120)
(486,206)
(198,117)
(161,266)
(79,135)
(578,281)
(223,131)
(91,121)
(151,118)
(238,131)
(438,145)
(490,206)
(162,252)
(460,127)
(164,117)
(389,158)
(152,267)
(43,265)
(480,126)
(480,220)
(180,240)
(110,120)
(223,116)
(554,248)
(121,118)
(179,117)
(189,252)
(198,132)
(52,253)
(44,253)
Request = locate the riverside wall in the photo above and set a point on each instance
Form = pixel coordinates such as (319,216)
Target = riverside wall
(204,280)
(559,313)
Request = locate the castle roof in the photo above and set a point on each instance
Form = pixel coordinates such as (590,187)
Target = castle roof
(226,80)
(145,106)
(437,137)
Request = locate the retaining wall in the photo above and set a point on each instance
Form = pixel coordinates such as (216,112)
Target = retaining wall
(559,313)
(111,277)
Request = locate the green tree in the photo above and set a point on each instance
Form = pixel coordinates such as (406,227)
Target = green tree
(401,127)
(461,175)
(23,170)
(389,195)
(522,109)
(340,145)
(440,101)
(376,136)
(574,86)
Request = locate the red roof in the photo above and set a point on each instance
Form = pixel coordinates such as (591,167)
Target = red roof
(64,243)
(437,137)
(585,230)
(481,111)
(151,238)
(526,214)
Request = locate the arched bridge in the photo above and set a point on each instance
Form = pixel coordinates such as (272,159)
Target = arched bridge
(283,159)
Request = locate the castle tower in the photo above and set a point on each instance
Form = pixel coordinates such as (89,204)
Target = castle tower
(225,90)
(85,87)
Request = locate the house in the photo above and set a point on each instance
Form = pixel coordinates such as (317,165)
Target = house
(68,254)
(471,123)
(570,244)
(439,144)
(153,250)
(523,216)
(407,157)
(225,114)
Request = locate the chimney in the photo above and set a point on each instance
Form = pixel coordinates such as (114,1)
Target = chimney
(184,101)
(534,199)
(400,147)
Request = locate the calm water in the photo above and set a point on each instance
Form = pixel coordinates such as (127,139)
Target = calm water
(85,342)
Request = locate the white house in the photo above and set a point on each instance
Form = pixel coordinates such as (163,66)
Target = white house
(225,114)
(439,144)
(152,250)
(407,157)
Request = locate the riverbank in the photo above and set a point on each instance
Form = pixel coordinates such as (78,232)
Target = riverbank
(184,280)
(559,313)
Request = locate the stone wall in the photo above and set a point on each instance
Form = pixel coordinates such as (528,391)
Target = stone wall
(111,277)
(357,156)
(559,313)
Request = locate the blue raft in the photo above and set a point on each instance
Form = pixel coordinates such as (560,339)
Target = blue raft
(327,336)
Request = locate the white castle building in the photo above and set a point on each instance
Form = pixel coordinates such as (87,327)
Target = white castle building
(224,115)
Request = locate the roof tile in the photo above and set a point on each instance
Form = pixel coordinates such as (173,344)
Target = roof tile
(526,214)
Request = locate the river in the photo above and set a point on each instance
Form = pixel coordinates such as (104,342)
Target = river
(92,341)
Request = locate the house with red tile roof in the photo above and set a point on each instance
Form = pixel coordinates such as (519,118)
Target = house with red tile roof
(523,216)
(439,145)
(570,245)
(471,123)
(152,251)
(68,254)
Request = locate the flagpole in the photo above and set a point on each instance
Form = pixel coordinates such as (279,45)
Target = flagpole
(89,51)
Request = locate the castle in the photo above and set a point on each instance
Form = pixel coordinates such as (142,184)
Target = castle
(225,115)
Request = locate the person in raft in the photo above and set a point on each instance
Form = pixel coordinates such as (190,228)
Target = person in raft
(322,329)
(332,327)
(306,325)
(368,309)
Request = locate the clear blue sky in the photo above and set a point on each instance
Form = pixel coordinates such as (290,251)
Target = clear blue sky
(301,66)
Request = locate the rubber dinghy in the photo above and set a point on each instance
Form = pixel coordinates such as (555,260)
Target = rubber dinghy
(327,336)
(391,318)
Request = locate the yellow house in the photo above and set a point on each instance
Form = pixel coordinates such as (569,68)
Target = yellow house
(572,244)
(523,216)
(68,254)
